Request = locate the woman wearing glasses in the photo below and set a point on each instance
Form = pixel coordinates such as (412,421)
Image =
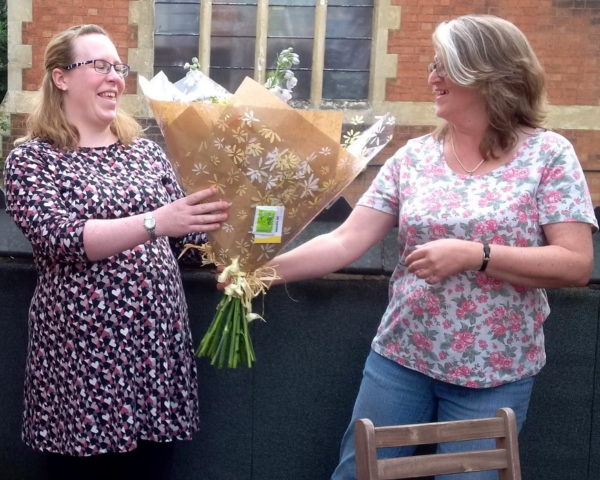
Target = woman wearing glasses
(110,375)
(490,209)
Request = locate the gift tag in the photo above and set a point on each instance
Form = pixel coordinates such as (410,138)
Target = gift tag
(268,224)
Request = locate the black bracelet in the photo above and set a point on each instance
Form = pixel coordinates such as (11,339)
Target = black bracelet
(486,256)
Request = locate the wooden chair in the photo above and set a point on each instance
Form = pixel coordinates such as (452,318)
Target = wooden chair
(504,458)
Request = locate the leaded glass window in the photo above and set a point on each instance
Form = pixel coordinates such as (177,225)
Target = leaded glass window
(345,38)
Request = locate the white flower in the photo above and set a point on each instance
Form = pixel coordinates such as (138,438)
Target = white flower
(255,174)
(219,143)
(272,160)
(303,170)
(193,66)
(309,185)
(248,118)
(282,75)
(291,83)
(272,181)
(282,93)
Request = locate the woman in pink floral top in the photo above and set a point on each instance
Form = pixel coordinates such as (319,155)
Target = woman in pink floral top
(490,209)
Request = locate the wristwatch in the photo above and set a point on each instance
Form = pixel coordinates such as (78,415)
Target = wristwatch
(150,225)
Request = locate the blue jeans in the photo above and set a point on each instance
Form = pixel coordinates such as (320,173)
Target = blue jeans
(394,395)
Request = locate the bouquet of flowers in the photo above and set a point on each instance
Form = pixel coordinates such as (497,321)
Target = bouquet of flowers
(280,167)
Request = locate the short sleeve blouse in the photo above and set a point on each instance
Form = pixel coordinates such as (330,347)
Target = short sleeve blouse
(472,329)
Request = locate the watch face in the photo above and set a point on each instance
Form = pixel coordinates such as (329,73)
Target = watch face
(149,221)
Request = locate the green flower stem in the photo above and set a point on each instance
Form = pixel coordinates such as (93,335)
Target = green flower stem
(234,334)
(249,349)
(227,333)
(206,347)
(242,323)
(227,341)
(220,325)
(210,342)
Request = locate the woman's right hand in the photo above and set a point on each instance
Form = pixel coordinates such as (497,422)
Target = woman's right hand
(190,214)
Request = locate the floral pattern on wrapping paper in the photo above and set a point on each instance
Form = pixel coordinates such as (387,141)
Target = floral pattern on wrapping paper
(253,160)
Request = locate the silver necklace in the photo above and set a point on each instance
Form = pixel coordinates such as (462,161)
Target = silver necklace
(470,172)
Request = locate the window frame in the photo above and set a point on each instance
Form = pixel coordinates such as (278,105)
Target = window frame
(317,62)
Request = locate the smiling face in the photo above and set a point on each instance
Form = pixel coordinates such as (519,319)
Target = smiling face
(90,99)
(455,103)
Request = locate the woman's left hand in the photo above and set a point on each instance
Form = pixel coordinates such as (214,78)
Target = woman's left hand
(218,270)
(436,260)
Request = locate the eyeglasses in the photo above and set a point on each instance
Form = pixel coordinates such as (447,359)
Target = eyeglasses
(439,68)
(102,66)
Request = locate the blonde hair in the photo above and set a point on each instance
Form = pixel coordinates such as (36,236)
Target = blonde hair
(48,120)
(493,56)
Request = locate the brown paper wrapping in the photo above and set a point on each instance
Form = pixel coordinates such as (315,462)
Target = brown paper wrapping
(256,150)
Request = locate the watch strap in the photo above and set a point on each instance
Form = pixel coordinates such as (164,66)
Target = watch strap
(486,256)
(150,225)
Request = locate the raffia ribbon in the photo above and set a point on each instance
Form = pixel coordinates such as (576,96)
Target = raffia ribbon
(242,285)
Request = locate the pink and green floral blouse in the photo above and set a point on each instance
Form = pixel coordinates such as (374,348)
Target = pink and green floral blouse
(472,329)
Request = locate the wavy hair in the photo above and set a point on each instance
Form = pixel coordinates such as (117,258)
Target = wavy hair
(48,120)
(493,56)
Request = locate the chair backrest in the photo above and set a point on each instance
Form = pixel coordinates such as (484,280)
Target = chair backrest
(504,458)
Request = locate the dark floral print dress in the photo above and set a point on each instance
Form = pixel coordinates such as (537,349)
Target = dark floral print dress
(110,357)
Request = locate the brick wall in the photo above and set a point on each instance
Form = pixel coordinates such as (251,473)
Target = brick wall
(18,120)
(17,129)
(51,16)
(564,33)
